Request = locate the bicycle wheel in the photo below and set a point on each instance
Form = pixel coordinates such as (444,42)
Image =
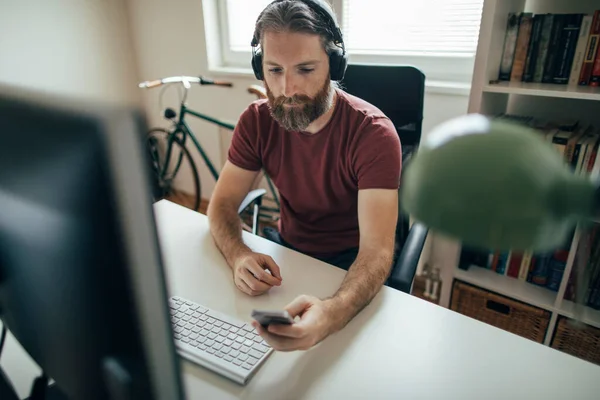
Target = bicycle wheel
(164,175)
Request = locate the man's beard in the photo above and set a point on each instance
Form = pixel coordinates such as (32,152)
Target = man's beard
(298,118)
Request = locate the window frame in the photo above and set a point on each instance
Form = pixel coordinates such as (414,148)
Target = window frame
(447,70)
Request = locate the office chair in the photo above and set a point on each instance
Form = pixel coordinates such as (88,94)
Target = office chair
(399,92)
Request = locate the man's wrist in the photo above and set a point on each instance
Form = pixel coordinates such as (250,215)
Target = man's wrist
(337,311)
(236,253)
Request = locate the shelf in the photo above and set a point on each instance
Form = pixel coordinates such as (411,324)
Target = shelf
(545,90)
(589,315)
(507,286)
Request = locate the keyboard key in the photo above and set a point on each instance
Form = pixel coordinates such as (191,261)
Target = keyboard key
(228,342)
(224,332)
(174,306)
(186,318)
(212,335)
(231,336)
(202,347)
(250,335)
(194,336)
(252,360)
(219,354)
(218,323)
(203,317)
(216,329)
(201,324)
(209,343)
(226,326)
(225,318)
(185,332)
(234,353)
(245,349)
(237,362)
(234,329)
(177,336)
(246,366)
(257,339)
(248,328)
(196,314)
(204,332)
(185,340)
(208,326)
(211,320)
(239,339)
(181,323)
(242,357)
(196,330)
(228,358)
(226,350)
(189,327)
(217,346)
(183,308)
(220,339)
(248,342)
(194,321)
(201,339)
(260,348)
(210,351)
(236,346)
(255,354)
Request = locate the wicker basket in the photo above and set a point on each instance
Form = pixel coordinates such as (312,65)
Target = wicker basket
(579,340)
(502,312)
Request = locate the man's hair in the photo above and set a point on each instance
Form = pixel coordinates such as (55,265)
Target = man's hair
(295,16)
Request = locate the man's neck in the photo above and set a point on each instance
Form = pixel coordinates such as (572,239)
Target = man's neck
(320,122)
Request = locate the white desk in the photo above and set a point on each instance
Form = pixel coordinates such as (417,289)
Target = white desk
(399,347)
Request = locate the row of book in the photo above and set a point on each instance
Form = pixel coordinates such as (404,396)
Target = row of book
(586,271)
(577,142)
(551,48)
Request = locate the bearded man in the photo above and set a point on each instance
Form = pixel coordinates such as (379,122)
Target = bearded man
(335,160)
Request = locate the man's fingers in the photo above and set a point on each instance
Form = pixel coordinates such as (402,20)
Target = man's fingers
(279,343)
(252,282)
(298,306)
(263,275)
(273,267)
(291,331)
(244,287)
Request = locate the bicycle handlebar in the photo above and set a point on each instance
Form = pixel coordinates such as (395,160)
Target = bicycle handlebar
(186,80)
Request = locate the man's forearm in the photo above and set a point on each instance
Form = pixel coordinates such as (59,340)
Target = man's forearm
(225,227)
(365,278)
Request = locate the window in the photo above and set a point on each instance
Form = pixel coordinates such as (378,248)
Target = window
(438,36)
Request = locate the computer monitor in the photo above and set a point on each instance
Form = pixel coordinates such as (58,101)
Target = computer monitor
(82,286)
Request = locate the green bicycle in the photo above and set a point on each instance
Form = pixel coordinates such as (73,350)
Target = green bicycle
(168,152)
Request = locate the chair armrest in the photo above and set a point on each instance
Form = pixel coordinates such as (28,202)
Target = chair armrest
(403,271)
(253,196)
(257,90)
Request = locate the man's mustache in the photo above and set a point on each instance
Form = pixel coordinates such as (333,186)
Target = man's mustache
(294,100)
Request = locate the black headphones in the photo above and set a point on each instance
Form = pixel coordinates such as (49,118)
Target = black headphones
(338,59)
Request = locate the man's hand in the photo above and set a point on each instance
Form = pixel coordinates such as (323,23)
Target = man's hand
(314,325)
(250,273)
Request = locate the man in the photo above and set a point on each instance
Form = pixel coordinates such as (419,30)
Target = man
(336,162)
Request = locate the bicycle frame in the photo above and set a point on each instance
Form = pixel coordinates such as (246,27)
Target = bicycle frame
(182,126)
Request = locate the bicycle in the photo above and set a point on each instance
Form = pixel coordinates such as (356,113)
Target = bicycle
(167,149)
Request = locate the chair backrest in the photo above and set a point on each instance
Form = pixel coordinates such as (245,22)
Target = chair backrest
(397,90)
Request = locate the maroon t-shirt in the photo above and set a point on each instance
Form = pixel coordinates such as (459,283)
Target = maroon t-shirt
(318,176)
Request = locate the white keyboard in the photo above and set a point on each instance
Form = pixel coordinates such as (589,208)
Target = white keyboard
(223,344)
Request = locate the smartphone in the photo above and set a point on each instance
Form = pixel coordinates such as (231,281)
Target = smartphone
(267,317)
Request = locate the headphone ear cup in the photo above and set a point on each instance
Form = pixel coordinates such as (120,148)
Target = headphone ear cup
(257,65)
(338,61)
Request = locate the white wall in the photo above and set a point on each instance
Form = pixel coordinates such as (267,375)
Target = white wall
(170,40)
(79,48)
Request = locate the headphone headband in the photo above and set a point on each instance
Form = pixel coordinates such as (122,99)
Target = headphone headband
(321,10)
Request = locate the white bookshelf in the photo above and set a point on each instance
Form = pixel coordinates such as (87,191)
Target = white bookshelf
(490,97)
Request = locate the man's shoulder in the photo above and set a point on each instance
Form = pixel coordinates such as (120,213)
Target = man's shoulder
(360,107)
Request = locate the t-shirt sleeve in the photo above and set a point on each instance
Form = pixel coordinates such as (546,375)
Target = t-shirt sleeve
(378,155)
(244,150)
